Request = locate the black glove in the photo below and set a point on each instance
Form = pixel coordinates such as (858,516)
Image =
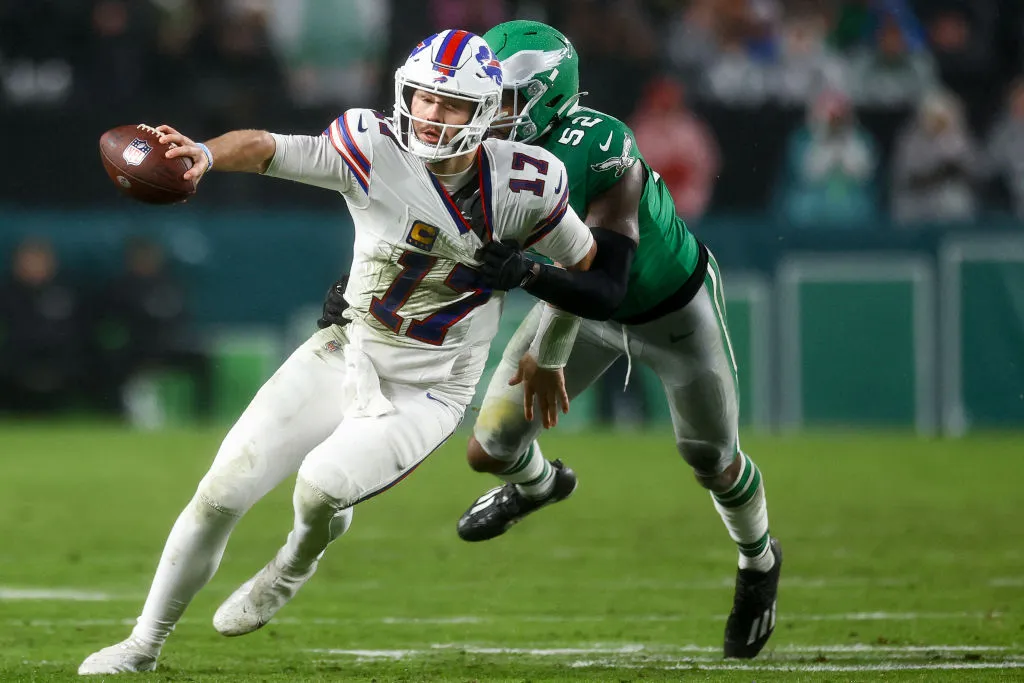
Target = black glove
(504,265)
(334,305)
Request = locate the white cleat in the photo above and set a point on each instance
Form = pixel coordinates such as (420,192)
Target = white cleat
(257,600)
(128,656)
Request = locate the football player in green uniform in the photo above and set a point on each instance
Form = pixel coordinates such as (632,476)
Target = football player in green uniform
(654,294)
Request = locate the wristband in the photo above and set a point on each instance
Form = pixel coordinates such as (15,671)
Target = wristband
(209,155)
(555,337)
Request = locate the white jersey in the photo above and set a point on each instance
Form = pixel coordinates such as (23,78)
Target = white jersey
(412,283)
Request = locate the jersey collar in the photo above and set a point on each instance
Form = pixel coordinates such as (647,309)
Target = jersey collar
(462,223)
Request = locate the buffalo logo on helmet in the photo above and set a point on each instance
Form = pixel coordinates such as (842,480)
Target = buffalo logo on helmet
(422,45)
(488,64)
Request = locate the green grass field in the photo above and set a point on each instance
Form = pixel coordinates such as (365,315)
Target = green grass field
(904,561)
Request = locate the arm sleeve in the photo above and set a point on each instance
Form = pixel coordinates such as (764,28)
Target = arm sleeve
(595,293)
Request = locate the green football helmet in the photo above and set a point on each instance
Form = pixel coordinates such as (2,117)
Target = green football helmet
(540,68)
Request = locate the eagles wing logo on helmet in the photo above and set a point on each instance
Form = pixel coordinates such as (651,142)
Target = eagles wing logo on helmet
(541,69)
(488,64)
(525,64)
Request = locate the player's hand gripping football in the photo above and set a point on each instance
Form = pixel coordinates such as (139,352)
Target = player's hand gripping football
(186,147)
(547,386)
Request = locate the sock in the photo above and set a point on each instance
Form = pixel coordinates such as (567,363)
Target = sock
(531,473)
(191,556)
(745,513)
(318,522)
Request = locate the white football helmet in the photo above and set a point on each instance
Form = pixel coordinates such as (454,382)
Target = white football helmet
(455,64)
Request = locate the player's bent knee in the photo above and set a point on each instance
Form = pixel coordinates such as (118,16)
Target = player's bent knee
(333,484)
(207,512)
(315,509)
(224,491)
(480,460)
(711,462)
(502,431)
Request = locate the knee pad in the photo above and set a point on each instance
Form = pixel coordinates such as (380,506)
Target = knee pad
(315,508)
(332,484)
(224,493)
(707,459)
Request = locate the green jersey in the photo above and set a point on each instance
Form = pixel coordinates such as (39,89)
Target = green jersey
(597,149)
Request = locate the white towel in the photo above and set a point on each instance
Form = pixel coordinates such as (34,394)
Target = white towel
(362,392)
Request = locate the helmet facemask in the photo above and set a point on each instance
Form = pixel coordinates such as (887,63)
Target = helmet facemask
(518,125)
(451,64)
(468,136)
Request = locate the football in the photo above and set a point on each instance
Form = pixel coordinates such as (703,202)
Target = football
(135,161)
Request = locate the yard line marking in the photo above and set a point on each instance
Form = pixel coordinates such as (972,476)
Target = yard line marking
(71,623)
(1007,582)
(66,594)
(538,618)
(636,648)
(374,654)
(724,582)
(893,616)
(836,668)
(70,594)
(653,618)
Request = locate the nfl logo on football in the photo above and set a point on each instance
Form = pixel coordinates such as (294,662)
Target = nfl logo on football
(136,151)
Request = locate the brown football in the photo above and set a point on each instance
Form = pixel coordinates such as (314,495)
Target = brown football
(135,161)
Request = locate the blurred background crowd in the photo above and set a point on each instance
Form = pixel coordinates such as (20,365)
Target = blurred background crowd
(830,112)
(764,117)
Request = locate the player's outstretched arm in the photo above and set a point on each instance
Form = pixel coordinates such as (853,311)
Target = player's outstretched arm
(593,292)
(247,151)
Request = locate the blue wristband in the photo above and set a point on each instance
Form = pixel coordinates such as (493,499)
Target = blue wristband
(208,153)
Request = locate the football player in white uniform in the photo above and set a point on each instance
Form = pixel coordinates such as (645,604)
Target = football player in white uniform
(356,408)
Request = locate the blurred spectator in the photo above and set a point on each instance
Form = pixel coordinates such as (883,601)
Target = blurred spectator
(962,35)
(936,165)
(1006,148)
(140,324)
(618,49)
(763,56)
(333,49)
(413,20)
(807,63)
(891,72)
(829,175)
(693,41)
(41,354)
(116,55)
(35,65)
(857,23)
(241,76)
(678,145)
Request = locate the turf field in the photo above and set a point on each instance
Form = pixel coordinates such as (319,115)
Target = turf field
(904,561)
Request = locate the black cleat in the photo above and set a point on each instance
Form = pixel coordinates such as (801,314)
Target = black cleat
(752,619)
(494,512)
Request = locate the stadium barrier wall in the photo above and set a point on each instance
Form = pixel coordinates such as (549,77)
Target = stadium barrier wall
(918,329)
